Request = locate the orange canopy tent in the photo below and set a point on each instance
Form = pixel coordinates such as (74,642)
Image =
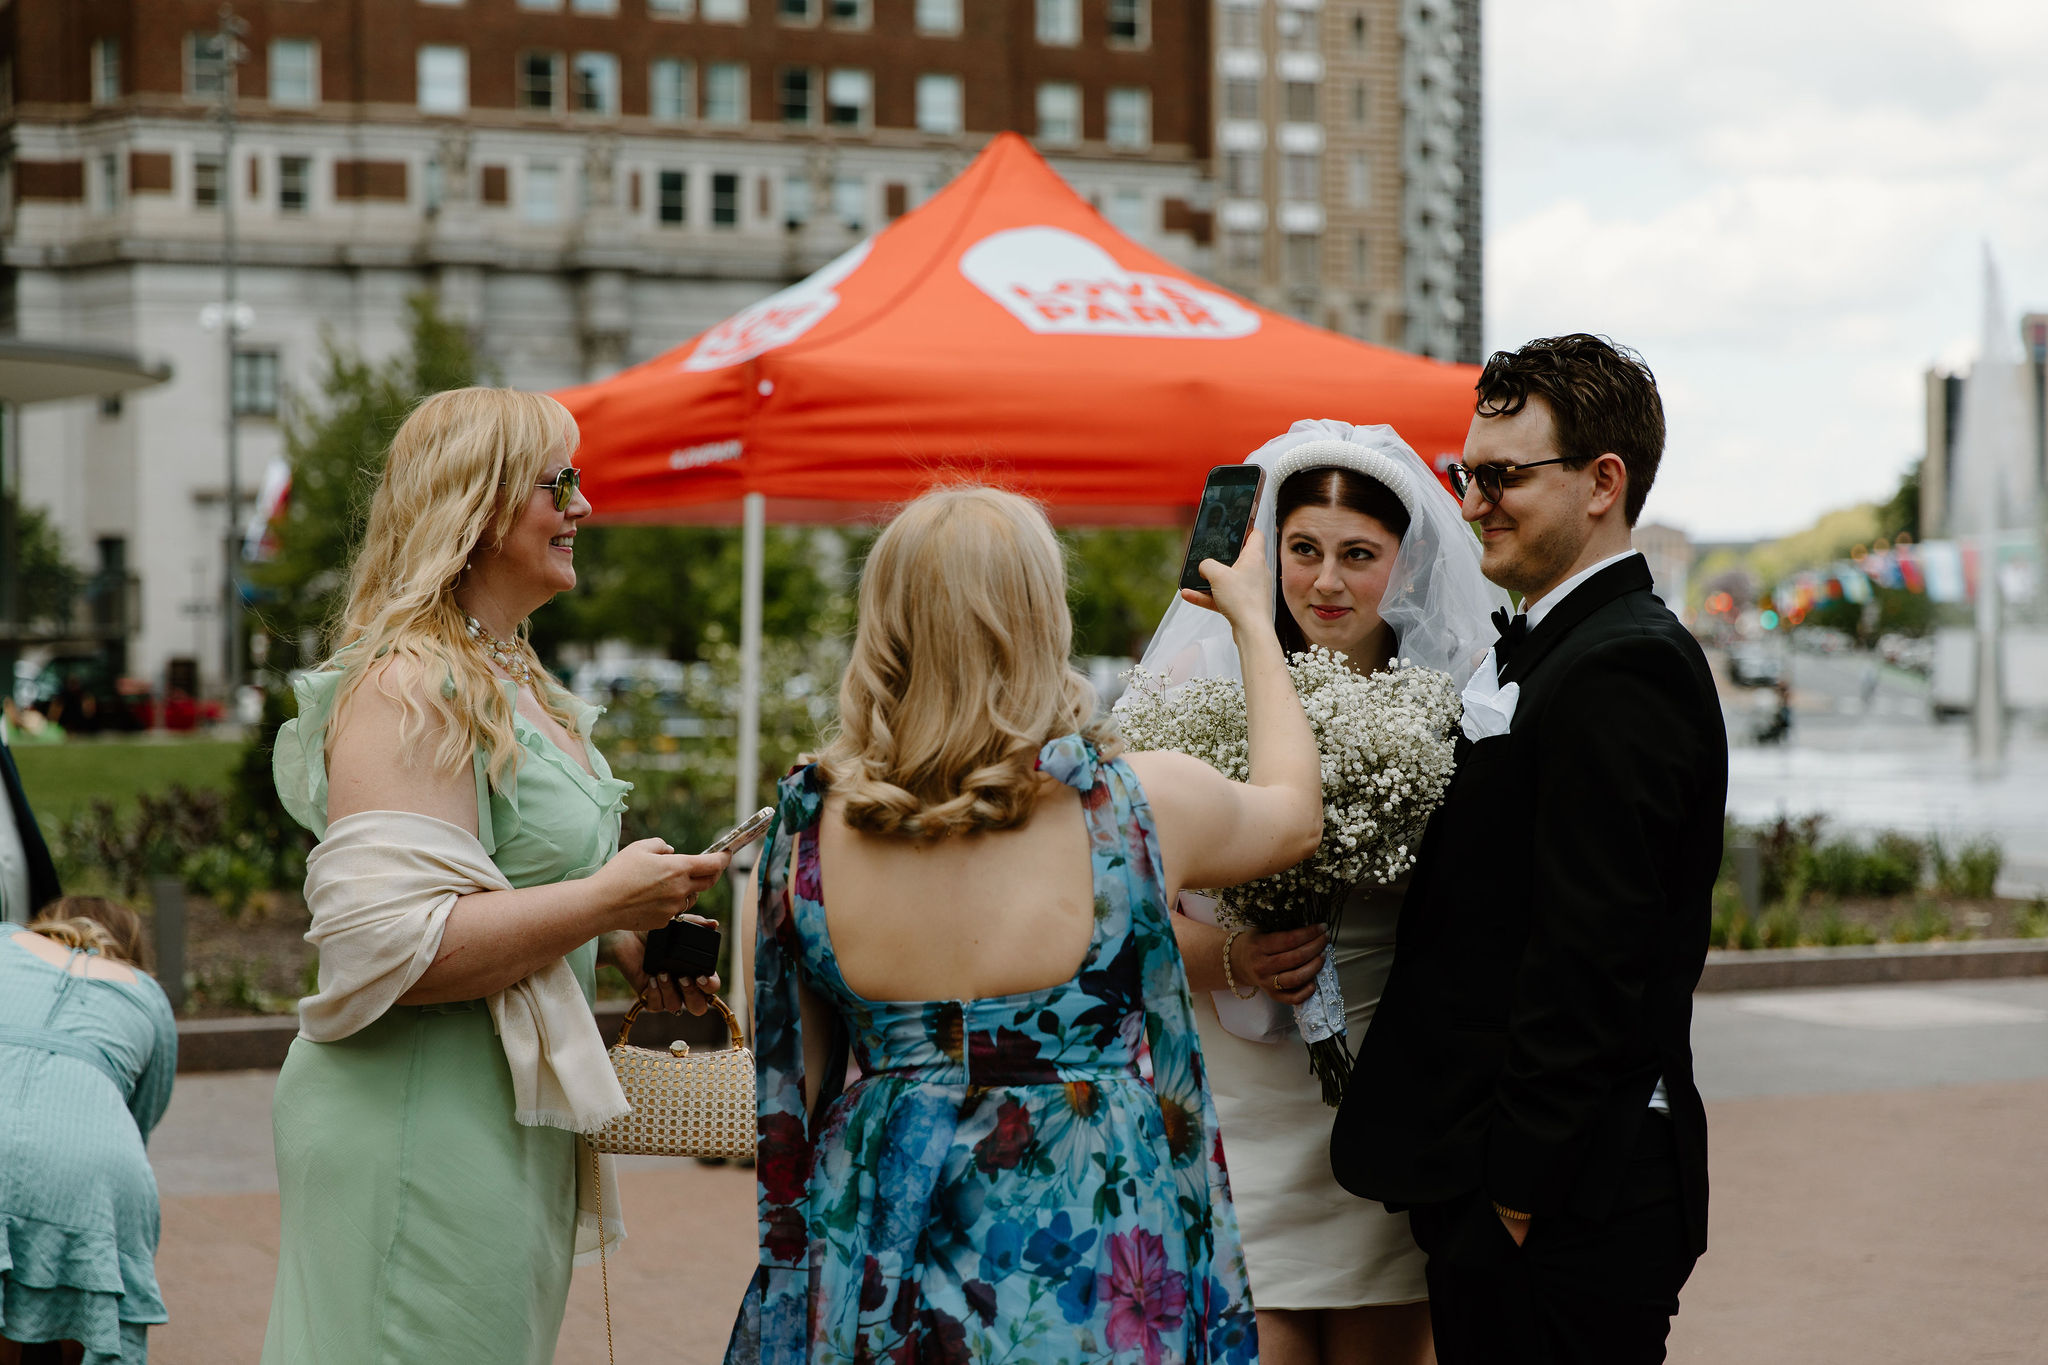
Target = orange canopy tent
(1005,329)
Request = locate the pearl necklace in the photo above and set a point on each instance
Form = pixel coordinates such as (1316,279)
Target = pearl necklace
(503,653)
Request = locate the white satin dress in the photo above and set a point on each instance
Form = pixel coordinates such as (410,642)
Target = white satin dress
(1308,1243)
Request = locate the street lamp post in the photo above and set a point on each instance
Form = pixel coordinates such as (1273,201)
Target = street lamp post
(231,53)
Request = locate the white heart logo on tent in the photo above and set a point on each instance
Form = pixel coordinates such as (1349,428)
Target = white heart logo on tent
(1059,283)
(776,320)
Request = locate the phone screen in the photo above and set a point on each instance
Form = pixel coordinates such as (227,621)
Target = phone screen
(1229,500)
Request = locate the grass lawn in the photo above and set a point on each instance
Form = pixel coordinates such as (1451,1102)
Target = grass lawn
(62,779)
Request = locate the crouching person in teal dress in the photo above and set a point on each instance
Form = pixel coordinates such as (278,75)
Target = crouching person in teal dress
(431,1192)
(1027,1166)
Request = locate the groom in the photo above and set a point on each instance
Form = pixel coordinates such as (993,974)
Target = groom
(1526,1087)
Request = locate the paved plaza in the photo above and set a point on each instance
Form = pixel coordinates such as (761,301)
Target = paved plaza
(1877,1178)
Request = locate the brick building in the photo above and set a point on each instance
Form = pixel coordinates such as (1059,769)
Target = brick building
(585,183)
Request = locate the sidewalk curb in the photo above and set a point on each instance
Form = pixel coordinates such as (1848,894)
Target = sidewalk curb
(259,1043)
(1793,968)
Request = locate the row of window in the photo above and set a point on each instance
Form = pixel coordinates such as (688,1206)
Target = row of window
(1056,22)
(1240,26)
(1301,176)
(1299,100)
(842,97)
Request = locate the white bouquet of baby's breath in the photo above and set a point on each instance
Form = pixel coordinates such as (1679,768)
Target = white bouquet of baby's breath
(1386,741)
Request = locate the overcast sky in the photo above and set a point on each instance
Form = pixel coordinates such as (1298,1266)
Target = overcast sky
(1782,204)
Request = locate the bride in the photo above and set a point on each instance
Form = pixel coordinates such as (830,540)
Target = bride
(1373,563)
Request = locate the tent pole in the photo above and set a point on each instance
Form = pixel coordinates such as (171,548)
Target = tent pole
(747,761)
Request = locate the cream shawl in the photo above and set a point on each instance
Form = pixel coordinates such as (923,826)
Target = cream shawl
(380,886)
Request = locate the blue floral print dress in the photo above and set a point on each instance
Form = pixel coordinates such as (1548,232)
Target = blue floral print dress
(1022,1178)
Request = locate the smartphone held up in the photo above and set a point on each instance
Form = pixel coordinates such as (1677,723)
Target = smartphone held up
(683,948)
(1223,519)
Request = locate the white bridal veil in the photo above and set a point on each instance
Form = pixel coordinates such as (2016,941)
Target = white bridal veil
(1437,601)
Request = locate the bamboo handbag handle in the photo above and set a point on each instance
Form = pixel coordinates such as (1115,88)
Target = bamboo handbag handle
(735,1038)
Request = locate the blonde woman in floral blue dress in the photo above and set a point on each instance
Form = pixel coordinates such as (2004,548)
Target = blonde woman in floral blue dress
(1027,1166)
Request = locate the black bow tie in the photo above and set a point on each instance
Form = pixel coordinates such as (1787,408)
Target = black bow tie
(1512,633)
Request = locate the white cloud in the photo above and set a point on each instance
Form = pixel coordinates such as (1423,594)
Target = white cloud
(1781,204)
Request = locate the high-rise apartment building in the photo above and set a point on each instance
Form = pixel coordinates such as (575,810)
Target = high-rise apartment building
(583,183)
(1348,165)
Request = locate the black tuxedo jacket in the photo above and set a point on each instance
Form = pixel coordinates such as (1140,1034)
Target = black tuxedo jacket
(1554,930)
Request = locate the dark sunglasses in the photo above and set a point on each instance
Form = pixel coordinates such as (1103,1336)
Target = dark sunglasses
(1488,475)
(564,486)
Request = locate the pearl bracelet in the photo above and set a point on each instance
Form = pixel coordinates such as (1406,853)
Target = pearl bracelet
(1229,942)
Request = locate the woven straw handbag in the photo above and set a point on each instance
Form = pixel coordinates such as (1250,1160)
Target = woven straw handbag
(684,1103)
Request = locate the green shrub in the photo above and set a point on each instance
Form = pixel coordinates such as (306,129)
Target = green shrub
(1836,932)
(1888,866)
(2032,919)
(1971,873)
(235,984)
(1926,923)
(1782,856)
(224,876)
(1779,928)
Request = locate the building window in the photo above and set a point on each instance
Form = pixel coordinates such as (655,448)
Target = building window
(540,193)
(294,183)
(796,200)
(1129,122)
(206,180)
(1126,212)
(206,75)
(672,198)
(725,92)
(106,70)
(540,4)
(850,201)
(847,13)
(670,9)
(1361,259)
(1297,31)
(256,383)
(1358,105)
(294,71)
(796,11)
(596,87)
(443,79)
(938,16)
(1243,250)
(540,80)
(1301,176)
(1240,26)
(1241,97)
(107,171)
(723,11)
(1300,101)
(938,104)
(1244,175)
(668,90)
(849,98)
(1304,257)
(725,200)
(1059,112)
(794,86)
(1358,34)
(594,6)
(1129,23)
(1059,22)
(1358,190)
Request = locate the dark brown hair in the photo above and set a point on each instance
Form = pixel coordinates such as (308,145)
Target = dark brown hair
(1328,486)
(1601,396)
(94,923)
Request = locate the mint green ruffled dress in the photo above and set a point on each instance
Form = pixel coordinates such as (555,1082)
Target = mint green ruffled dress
(420,1223)
(85,1072)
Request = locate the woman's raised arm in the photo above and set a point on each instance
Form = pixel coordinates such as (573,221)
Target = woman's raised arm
(1215,832)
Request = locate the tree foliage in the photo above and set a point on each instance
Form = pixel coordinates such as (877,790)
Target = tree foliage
(1119,583)
(336,445)
(48,583)
(1901,515)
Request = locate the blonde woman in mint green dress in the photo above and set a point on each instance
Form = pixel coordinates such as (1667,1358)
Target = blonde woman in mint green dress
(424,1220)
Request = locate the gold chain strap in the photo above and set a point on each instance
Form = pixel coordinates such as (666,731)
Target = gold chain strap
(604,1273)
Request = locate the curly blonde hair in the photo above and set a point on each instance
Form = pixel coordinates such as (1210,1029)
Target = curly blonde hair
(460,471)
(94,924)
(959,672)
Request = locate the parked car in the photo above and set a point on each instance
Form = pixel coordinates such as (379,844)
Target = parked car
(1755,665)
